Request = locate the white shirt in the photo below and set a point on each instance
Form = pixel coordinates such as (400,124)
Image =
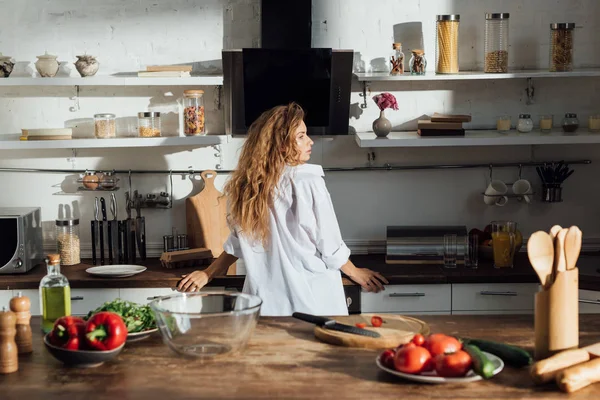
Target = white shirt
(300,270)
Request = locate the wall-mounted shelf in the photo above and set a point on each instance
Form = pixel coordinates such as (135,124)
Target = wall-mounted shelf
(475,75)
(12,142)
(110,80)
(475,138)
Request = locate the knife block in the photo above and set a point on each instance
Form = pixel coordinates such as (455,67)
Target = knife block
(557,315)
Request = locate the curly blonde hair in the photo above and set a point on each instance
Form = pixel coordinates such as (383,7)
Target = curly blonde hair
(269,147)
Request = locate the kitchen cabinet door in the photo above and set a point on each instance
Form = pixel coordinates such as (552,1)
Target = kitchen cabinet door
(34,298)
(589,302)
(498,297)
(85,300)
(408,298)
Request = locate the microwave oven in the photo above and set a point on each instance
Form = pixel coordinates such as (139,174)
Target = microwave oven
(21,244)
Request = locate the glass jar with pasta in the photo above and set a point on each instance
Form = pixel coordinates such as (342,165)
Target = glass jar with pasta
(193,113)
(149,124)
(561,47)
(446,51)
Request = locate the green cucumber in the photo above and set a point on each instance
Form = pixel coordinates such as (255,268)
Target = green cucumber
(511,355)
(481,364)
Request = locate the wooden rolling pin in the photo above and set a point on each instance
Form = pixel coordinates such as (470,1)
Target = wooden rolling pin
(547,370)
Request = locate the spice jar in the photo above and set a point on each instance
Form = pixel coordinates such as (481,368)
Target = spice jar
(594,123)
(90,180)
(496,43)
(570,123)
(546,123)
(67,241)
(397,60)
(149,124)
(108,181)
(525,123)
(193,112)
(503,123)
(561,47)
(446,51)
(417,63)
(105,126)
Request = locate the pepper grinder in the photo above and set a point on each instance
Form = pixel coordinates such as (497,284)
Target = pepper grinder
(9,356)
(21,306)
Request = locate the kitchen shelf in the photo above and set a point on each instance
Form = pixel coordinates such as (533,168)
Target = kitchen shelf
(475,75)
(110,80)
(12,142)
(475,138)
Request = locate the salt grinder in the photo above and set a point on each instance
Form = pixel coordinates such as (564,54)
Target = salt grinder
(21,306)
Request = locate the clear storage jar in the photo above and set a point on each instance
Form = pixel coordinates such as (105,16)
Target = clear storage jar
(149,124)
(561,47)
(193,113)
(417,63)
(570,123)
(397,61)
(105,126)
(446,50)
(525,123)
(67,241)
(496,43)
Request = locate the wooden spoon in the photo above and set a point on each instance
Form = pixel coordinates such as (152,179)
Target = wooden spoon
(560,262)
(572,246)
(540,251)
(554,231)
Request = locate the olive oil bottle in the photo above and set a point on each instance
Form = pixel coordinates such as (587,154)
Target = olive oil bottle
(55,294)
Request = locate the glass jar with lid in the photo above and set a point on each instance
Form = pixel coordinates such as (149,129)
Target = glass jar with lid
(417,63)
(525,123)
(397,60)
(67,241)
(105,126)
(193,113)
(570,123)
(149,124)
(561,47)
(496,43)
(446,50)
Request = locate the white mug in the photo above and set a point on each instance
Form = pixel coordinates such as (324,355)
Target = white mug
(493,193)
(522,188)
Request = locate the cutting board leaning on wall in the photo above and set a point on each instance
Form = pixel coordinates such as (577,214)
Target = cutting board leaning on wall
(206,218)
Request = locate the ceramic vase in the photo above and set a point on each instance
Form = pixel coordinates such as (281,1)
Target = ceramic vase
(87,65)
(382,126)
(46,65)
(6,66)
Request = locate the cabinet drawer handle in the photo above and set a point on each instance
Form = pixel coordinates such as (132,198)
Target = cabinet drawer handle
(416,294)
(597,302)
(76,298)
(492,293)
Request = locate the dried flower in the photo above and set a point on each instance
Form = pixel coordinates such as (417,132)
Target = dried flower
(385,100)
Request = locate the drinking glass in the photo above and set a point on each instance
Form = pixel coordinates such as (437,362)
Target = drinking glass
(503,243)
(450,251)
(472,251)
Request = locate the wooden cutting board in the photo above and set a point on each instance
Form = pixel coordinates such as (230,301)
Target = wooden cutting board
(206,218)
(396,330)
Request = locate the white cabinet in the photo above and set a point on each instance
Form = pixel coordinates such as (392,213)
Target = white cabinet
(408,299)
(496,298)
(145,295)
(85,300)
(5,296)
(589,302)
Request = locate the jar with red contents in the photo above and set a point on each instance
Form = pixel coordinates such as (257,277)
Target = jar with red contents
(193,113)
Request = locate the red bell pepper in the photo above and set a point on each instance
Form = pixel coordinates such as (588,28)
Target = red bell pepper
(68,332)
(105,331)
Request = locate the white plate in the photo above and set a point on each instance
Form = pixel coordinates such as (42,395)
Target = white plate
(116,271)
(134,337)
(432,377)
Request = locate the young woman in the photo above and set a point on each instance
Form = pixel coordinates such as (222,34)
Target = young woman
(283,224)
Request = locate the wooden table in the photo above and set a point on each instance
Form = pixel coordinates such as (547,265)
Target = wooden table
(283,361)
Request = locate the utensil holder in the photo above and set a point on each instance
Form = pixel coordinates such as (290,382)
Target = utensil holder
(551,194)
(557,315)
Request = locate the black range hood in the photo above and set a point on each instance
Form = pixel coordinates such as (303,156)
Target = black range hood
(286,24)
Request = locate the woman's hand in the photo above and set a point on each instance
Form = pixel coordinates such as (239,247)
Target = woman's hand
(193,282)
(369,280)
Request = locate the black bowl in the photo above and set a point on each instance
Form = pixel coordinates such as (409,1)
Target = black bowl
(81,358)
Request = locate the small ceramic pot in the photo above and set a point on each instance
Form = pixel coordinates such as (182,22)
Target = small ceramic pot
(382,126)
(6,66)
(87,65)
(46,65)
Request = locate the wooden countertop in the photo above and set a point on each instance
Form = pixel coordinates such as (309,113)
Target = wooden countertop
(157,276)
(283,361)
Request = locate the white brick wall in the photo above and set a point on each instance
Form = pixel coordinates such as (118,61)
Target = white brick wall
(128,35)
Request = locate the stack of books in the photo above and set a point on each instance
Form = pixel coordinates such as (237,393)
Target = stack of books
(166,71)
(443,125)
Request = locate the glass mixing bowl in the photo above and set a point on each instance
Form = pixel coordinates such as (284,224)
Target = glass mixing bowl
(206,324)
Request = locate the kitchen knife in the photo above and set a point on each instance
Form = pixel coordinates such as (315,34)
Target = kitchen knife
(129,232)
(333,325)
(140,230)
(113,231)
(102,223)
(95,232)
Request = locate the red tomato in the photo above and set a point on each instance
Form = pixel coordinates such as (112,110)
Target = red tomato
(453,365)
(387,358)
(418,339)
(376,321)
(438,343)
(412,359)
(361,325)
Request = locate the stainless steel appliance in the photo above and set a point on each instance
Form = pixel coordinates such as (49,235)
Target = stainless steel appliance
(423,244)
(21,245)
